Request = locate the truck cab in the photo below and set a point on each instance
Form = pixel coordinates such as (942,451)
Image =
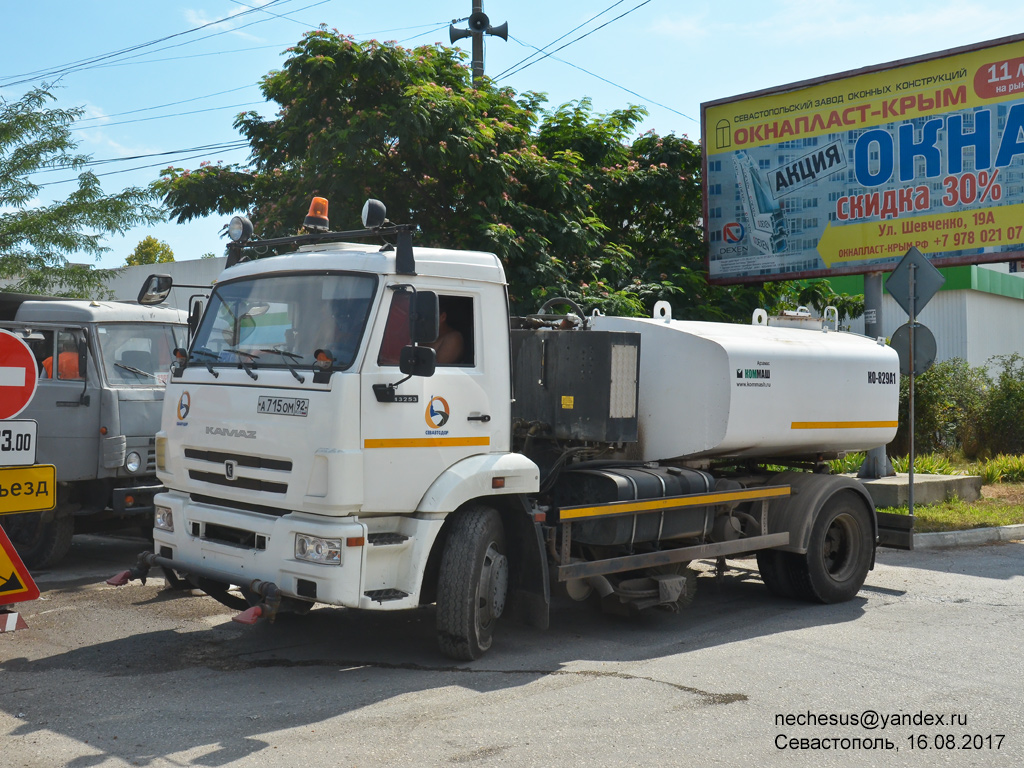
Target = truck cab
(102,368)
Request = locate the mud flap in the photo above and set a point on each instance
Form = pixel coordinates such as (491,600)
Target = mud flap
(895,531)
(531,599)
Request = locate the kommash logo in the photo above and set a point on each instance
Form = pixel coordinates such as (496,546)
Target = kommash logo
(184,406)
(437,415)
(754,377)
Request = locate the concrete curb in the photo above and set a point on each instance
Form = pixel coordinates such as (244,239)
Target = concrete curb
(968,538)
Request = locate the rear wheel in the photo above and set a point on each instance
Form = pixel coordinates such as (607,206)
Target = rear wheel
(39,544)
(472,583)
(839,551)
(775,572)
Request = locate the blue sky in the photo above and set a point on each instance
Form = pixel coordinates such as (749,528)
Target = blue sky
(670,55)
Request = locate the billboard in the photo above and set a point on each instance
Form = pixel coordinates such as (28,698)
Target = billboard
(844,174)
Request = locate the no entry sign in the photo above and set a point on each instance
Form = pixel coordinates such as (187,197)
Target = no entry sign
(18,375)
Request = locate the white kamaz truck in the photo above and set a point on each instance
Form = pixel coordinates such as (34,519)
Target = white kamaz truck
(365,426)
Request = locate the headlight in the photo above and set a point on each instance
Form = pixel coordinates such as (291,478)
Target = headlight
(163,519)
(133,462)
(317,550)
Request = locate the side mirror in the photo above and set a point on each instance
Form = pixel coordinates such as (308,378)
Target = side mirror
(423,320)
(417,361)
(194,316)
(155,289)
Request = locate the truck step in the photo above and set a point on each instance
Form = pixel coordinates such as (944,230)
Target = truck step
(386,539)
(384,595)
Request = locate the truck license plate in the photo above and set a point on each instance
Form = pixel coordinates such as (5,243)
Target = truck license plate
(17,443)
(27,489)
(283,406)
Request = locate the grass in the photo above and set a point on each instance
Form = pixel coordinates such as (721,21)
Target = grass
(1002,492)
(1001,504)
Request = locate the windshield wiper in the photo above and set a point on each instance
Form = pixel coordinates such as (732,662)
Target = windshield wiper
(137,371)
(245,364)
(204,352)
(289,357)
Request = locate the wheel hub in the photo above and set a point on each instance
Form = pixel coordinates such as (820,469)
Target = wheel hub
(494,581)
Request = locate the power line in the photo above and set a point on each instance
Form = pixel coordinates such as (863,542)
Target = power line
(162,117)
(203,153)
(541,50)
(160,106)
(191,56)
(606,80)
(63,69)
(586,34)
(128,59)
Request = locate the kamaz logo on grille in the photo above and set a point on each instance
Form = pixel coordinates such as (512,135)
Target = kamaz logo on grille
(229,469)
(753,373)
(246,433)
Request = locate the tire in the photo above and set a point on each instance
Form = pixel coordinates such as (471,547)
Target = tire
(838,554)
(472,583)
(39,544)
(775,572)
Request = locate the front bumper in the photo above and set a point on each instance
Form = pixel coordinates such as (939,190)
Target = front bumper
(240,546)
(134,499)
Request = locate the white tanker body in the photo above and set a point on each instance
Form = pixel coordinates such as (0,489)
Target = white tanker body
(718,390)
(593,454)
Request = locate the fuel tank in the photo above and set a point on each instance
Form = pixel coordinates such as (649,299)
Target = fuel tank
(724,390)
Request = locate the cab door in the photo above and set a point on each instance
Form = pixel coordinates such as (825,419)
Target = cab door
(67,402)
(434,421)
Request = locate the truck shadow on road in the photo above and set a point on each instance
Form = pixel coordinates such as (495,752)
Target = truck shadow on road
(210,692)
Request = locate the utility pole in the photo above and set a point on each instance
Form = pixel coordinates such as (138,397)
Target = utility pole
(479,25)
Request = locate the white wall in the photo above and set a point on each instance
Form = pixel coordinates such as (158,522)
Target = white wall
(972,325)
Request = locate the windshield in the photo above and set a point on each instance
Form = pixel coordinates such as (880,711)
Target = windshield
(283,320)
(139,354)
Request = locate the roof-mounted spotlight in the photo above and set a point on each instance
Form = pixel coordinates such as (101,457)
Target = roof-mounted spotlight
(239,229)
(375,214)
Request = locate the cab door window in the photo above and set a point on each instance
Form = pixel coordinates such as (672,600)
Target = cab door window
(454,344)
(69,344)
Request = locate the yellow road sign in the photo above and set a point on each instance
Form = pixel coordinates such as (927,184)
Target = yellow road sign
(27,489)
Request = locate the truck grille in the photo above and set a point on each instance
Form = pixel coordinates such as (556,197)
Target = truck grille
(248,483)
(218,476)
(260,509)
(241,459)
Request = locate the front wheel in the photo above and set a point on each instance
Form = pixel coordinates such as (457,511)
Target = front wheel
(472,583)
(39,544)
(839,551)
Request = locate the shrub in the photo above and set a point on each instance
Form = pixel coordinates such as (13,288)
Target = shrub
(1000,469)
(926,464)
(949,400)
(1002,419)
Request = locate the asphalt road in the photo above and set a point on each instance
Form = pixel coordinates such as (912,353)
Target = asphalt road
(141,675)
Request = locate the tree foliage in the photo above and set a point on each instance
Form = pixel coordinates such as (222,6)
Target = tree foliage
(572,202)
(36,239)
(150,251)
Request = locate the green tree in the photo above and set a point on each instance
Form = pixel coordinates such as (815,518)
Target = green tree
(150,251)
(37,239)
(570,204)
